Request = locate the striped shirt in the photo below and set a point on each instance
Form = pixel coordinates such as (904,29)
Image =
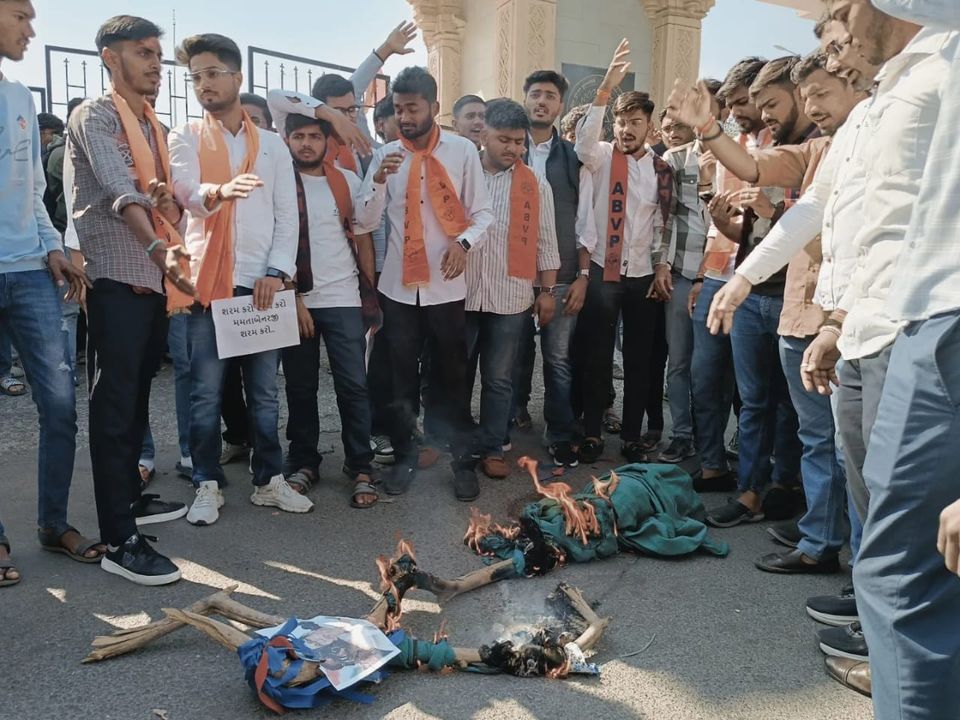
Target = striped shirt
(689,235)
(489,287)
(105,182)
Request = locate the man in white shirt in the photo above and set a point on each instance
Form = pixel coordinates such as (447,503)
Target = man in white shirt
(422,281)
(262,229)
(468,118)
(328,306)
(633,229)
(520,246)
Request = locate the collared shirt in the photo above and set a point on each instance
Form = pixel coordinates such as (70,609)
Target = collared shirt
(795,166)
(721,251)
(266,224)
(901,123)
(489,286)
(539,152)
(105,182)
(643,246)
(689,235)
(462,162)
(927,278)
(834,204)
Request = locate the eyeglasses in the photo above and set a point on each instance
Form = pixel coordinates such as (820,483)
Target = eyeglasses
(211,75)
(350,112)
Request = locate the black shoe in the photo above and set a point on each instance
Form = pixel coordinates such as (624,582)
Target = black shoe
(732,514)
(563,454)
(677,451)
(634,453)
(720,483)
(400,478)
(791,562)
(781,503)
(590,451)
(185,471)
(786,533)
(466,487)
(138,562)
(837,610)
(846,642)
(150,509)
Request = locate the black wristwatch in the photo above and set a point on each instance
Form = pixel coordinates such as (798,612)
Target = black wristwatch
(465,244)
(274,273)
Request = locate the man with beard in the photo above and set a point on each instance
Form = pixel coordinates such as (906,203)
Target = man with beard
(329,260)
(236,182)
(121,178)
(468,114)
(555,158)
(632,201)
(430,183)
(768,421)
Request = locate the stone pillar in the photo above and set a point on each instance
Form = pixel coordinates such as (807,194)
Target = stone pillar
(676,42)
(442,25)
(526,32)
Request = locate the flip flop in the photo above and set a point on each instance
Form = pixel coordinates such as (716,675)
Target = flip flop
(301,482)
(50,542)
(11,386)
(363,488)
(8,565)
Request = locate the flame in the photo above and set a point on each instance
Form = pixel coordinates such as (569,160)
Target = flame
(388,570)
(405,547)
(605,489)
(580,518)
(481,526)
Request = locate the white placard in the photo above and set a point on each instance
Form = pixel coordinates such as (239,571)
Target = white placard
(243,330)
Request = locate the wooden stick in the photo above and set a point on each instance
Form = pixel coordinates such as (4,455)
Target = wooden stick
(597,624)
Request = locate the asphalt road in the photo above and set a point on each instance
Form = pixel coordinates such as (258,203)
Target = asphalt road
(722,639)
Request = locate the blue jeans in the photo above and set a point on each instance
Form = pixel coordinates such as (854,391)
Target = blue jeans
(823,526)
(207,373)
(711,373)
(345,339)
(30,314)
(495,339)
(679,358)
(177,345)
(555,340)
(768,422)
(907,599)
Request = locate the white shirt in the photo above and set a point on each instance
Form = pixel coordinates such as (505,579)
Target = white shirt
(266,224)
(70,238)
(334,267)
(539,152)
(832,207)
(462,162)
(900,125)
(927,279)
(643,222)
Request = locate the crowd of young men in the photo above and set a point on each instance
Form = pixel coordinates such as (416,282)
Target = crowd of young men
(781,245)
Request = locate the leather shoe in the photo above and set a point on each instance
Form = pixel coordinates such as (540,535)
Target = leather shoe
(792,562)
(495,468)
(854,674)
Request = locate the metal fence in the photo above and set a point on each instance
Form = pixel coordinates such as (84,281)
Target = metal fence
(39,97)
(74,72)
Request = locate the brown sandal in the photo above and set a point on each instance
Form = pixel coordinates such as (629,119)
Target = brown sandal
(7,564)
(53,542)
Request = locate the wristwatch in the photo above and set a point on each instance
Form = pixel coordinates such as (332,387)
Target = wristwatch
(549,290)
(465,244)
(584,273)
(274,273)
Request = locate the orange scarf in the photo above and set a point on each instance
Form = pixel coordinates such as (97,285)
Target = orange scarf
(616,216)
(443,199)
(215,277)
(343,155)
(524,223)
(145,166)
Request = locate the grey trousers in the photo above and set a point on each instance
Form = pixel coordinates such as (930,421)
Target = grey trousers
(909,603)
(858,397)
(679,358)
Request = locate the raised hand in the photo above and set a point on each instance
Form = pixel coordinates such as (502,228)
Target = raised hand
(390,165)
(398,41)
(619,67)
(689,105)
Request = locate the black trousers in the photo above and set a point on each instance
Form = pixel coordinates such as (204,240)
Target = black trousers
(443,326)
(641,319)
(127,333)
(233,407)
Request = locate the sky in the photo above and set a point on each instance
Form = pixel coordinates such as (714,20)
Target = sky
(734,29)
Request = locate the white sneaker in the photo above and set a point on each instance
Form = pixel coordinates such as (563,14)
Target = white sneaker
(279,494)
(231,452)
(206,506)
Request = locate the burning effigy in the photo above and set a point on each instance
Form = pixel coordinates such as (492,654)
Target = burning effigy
(648,509)
(294,663)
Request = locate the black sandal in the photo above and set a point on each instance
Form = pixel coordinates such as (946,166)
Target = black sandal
(50,541)
(7,564)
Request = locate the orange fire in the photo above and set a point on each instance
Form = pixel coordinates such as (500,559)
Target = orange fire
(387,569)
(605,489)
(580,518)
(481,526)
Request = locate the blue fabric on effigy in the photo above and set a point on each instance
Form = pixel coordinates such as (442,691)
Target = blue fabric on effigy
(653,510)
(417,653)
(315,694)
